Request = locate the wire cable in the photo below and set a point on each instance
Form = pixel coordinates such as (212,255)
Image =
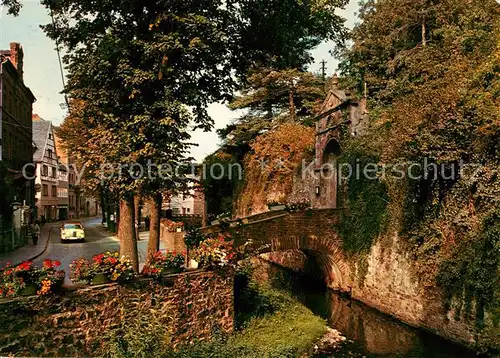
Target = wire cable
(59,58)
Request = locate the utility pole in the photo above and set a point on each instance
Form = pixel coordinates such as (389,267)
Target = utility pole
(323,69)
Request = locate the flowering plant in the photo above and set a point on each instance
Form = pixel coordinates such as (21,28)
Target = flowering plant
(215,253)
(108,264)
(14,279)
(80,271)
(161,263)
(275,203)
(298,206)
(49,277)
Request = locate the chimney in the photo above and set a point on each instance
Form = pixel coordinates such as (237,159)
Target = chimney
(16,57)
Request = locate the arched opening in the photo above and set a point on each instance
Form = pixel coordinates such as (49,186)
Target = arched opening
(331,152)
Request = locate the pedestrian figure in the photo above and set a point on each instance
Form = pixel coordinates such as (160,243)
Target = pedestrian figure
(43,220)
(146,223)
(35,232)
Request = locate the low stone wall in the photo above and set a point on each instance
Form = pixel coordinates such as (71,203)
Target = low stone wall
(192,305)
(173,241)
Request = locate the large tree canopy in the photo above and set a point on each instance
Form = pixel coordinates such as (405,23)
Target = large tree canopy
(142,72)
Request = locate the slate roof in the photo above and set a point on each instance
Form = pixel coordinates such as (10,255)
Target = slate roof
(40,136)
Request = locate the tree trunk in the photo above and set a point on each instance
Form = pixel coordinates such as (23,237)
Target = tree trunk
(117,213)
(137,215)
(104,205)
(424,34)
(291,103)
(154,224)
(126,232)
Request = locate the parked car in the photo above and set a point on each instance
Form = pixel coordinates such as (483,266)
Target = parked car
(72,231)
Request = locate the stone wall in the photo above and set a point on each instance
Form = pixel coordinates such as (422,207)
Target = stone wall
(73,323)
(386,280)
(312,231)
(172,240)
(388,283)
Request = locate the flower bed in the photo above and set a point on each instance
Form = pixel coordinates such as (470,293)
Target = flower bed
(164,263)
(28,279)
(103,267)
(215,253)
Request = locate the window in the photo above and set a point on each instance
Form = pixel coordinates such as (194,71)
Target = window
(49,152)
(45,170)
(50,137)
(73,227)
(54,191)
(62,192)
(53,172)
(188,210)
(45,190)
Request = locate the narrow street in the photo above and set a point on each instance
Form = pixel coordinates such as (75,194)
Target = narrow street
(97,241)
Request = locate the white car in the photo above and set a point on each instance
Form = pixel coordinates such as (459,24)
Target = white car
(72,231)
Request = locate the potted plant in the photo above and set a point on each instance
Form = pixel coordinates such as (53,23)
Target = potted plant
(161,264)
(104,268)
(298,206)
(50,278)
(20,280)
(215,253)
(26,279)
(276,205)
(221,219)
(192,239)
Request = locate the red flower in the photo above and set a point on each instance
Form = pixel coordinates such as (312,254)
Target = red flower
(47,264)
(98,258)
(112,260)
(25,266)
(56,263)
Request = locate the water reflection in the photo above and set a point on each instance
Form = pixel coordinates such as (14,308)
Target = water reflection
(372,333)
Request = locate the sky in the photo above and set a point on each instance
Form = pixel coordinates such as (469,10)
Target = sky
(42,73)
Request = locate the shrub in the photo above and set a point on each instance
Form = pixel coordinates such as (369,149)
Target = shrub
(142,334)
(193,238)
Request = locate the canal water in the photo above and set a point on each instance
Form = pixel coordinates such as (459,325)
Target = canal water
(369,333)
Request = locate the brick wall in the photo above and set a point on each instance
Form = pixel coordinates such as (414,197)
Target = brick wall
(192,305)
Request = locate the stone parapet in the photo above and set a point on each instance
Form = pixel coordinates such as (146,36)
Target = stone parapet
(192,305)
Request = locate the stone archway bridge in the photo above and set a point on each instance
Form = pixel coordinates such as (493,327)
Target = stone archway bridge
(312,231)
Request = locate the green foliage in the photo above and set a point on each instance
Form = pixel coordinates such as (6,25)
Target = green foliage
(193,238)
(366,211)
(271,322)
(432,72)
(221,188)
(474,268)
(268,39)
(13,6)
(145,333)
(254,300)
